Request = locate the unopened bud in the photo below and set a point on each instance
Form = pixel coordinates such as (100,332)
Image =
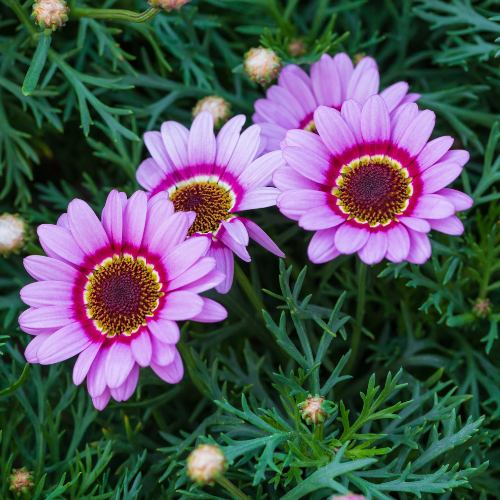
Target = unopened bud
(168,4)
(12,234)
(262,65)
(482,307)
(220,109)
(296,48)
(206,464)
(21,481)
(358,57)
(50,14)
(312,411)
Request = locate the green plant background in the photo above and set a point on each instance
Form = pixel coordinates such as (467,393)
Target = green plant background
(412,374)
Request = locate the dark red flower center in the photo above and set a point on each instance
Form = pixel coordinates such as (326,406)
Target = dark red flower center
(373,192)
(210,201)
(120,295)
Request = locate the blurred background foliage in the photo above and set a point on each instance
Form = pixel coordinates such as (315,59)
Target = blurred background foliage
(106,82)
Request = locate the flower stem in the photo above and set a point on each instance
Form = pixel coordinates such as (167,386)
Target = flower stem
(248,288)
(360,313)
(234,490)
(119,14)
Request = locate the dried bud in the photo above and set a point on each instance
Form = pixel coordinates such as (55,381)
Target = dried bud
(350,496)
(262,65)
(357,57)
(220,109)
(21,481)
(482,307)
(50,14)
(12,234)
(312,411)
(168,4)
(206,464)
(296,48)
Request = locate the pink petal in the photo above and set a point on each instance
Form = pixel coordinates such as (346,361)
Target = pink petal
(326,82)
(239,249)
(134,221)
(119,362)
(180,306)
(322,246)
(224,262)
(349,239)
(420,225)
(49,293)
(285,98)
(433,206)
(375,126)
(457,155)
(460,201)
(287,178)
(320,218)
(261,197)
(156,216)
(112,221)
(258,235)
(273,112)
(171,233)
(63,221)
(163,354)
(31,350)
(345,69)
(212,312)
(85,360)
(451,225)
(351,114)
(375,248)
(245,152)
(175,138)
(398,243)
(439,176)
(47,269)
(236,230)
(171,373)
(149,175)
(400,120)
(183,256)
(293,204)
(308,140)
(141,348)
(47,317)
(227,139)
(194,273)
(211,280)
(156,148)
(310,165)
(431,153)
(394,94)
(260,172)
(126,390)
(299,86)
(420,247)
(96,377)
(164,330)
(364,81)
(100,402)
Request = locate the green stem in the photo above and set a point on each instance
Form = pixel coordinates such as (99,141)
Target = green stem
(318,432)
(118,14)
(360,313)
(234,490)
(244,282)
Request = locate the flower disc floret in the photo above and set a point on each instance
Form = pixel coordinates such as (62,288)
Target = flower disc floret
(121,294)
(373,191)
(208,200)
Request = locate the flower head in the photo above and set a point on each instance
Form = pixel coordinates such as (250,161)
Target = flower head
(206,464)
(370,183)
(291,104)
(168,4)
(311,410)
(51,14)
(296,48)
(12,233)
(111,290)
(219,107)
(482,307)
(214,178)
(21,481)
(262,65)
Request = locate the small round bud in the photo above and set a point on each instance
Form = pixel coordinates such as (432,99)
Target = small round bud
(220,109)
(312,411)
(168,4)
(296,48)
(358,57)
(481,308)
(12,234)
(21,481)
(262,65)
(350,496)
(50,14)
(206,464)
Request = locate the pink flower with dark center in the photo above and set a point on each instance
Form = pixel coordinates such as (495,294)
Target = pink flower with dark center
(111,290)
(371,183)
(291,104)
(216,179)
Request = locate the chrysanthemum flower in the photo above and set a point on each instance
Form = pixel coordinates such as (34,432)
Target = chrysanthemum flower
(370,183)
(291,104)
(112,291)
(216,178)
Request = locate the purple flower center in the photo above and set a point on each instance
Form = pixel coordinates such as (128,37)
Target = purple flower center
(373,192)
(121,294)
(210,201)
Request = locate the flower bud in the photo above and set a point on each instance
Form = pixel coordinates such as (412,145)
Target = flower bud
(21,481)
(482,307)
(350,496)
(50,14)
(168,4)
(206,464)
(262,65)
(312,409)
(296,48)
(12,234)
(219,107)
(358,57)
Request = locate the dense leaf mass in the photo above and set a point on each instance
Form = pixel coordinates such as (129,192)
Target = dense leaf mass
(406,357)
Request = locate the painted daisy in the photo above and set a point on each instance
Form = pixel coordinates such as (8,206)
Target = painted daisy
(216,179)
(112,291)
(291,104)
(369,182)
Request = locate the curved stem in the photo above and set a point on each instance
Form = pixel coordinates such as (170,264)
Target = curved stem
(234,490)
(360,313)
(119,14)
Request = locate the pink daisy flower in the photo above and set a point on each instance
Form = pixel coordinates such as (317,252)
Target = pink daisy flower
(112,291)
(216,178)
(291,103)
(371,183)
